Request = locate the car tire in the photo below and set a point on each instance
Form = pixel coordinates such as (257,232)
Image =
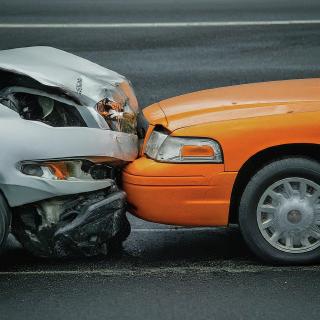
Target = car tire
(116,242)
(5,220)
(279,212)
(125,230)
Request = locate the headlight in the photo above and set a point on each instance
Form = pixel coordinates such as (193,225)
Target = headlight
(165,148)
(92,168)
(118,115)
(120,109)
(56,170)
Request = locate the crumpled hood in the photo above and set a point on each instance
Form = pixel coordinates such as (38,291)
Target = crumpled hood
(76,76)
(236,102)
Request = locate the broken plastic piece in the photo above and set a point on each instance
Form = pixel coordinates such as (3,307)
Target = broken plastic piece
(82,225)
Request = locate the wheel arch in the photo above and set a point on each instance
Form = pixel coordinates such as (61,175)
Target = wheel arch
(2,193)
(261,159)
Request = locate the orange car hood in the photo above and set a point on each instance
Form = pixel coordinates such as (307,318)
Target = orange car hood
(236,102)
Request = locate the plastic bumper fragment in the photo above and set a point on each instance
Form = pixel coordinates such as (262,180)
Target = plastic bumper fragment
(86,224)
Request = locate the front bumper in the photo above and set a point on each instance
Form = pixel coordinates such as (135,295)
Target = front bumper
(179,194)
(37,142)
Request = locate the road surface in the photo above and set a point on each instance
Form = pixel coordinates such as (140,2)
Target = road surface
(164,272)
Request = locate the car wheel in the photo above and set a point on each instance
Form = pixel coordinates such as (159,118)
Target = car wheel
(279,213)
(5,219)
(122,235)
(125,230)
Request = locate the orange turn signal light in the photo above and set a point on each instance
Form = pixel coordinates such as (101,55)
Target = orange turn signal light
(197,151)
(59,169)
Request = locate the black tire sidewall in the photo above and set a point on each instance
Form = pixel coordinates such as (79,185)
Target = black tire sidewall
(5,220)
(278,170)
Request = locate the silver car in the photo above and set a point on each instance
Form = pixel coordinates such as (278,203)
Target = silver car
(67,126)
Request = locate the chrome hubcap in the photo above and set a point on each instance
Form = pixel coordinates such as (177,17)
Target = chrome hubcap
(288,215)
(294,216)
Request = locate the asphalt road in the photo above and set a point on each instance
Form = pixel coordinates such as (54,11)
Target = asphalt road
(164,272)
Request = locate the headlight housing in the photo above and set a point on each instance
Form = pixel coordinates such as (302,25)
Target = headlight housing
(55,170)
(165,148)
(68,170)
(120,109)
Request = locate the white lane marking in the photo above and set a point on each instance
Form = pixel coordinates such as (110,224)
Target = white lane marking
(181,229)
(224,268)
(157,24)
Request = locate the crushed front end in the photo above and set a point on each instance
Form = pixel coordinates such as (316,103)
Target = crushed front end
(67,128)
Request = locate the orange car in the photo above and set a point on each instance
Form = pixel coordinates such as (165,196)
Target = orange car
(246,154)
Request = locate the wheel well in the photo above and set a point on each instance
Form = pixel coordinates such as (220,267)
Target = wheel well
(261,159)
(4,196)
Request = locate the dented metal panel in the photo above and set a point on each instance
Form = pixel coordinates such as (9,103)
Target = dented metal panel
(108,97)
(67,72)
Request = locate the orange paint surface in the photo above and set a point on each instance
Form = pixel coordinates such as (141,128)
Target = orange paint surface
(245,120)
